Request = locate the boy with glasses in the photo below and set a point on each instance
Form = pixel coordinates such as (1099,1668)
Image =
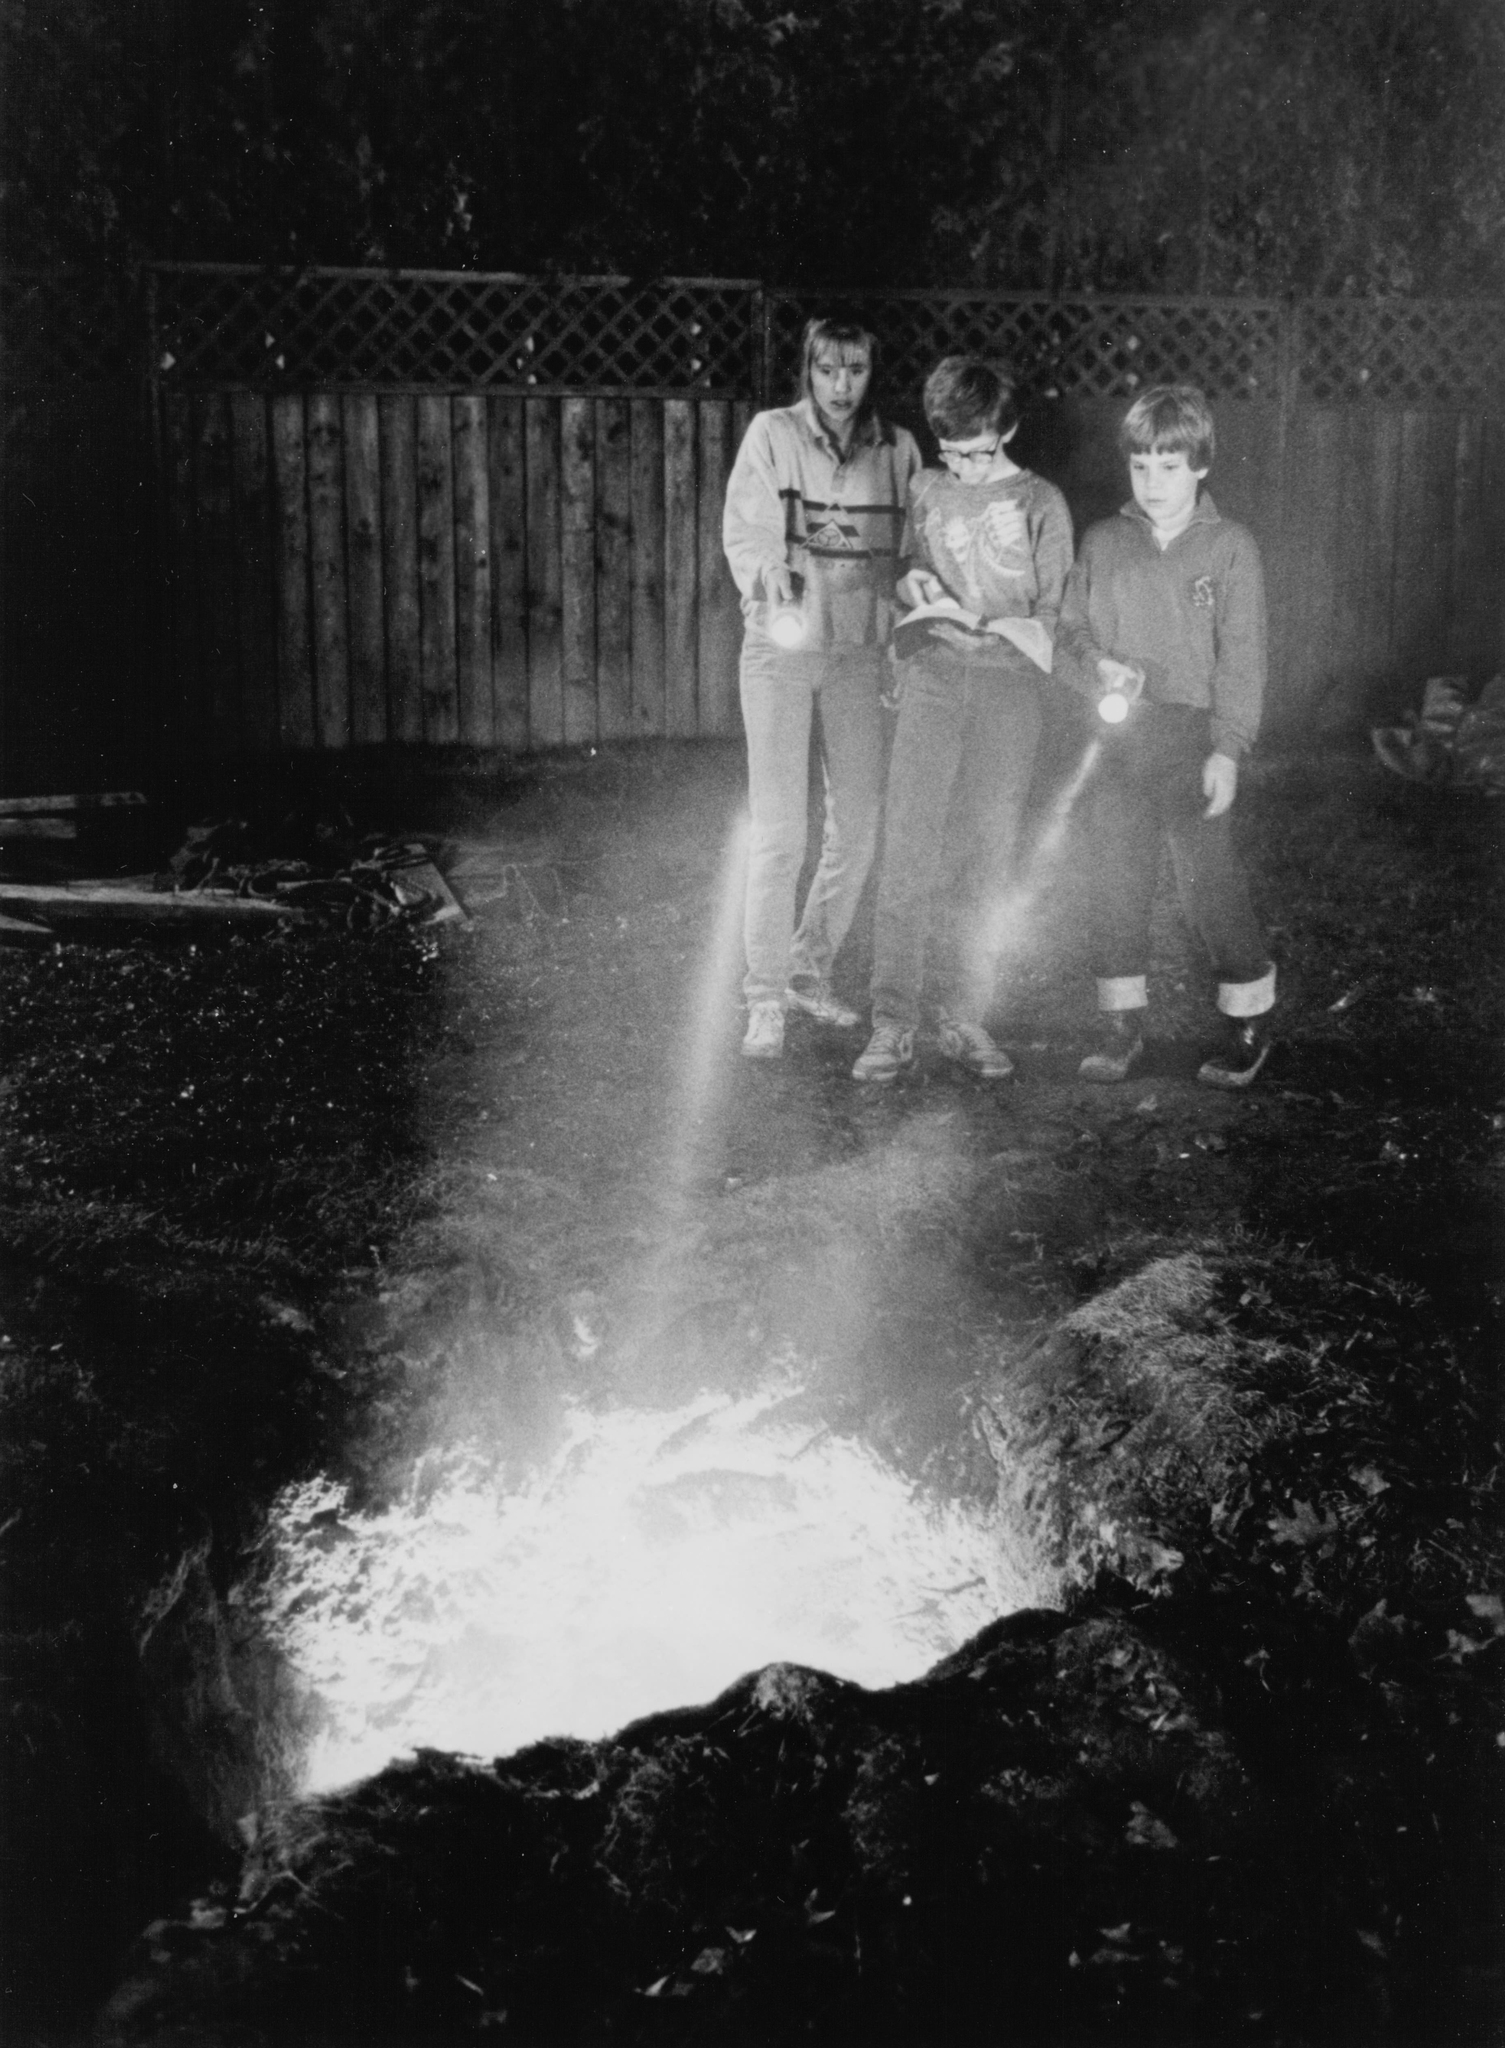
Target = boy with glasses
(987,546)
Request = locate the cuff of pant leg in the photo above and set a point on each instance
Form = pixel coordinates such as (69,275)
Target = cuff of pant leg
(1123,992)
(1247,998)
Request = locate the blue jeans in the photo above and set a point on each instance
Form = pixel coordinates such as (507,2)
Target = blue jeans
(779,694)
(963,756)
(1147,793)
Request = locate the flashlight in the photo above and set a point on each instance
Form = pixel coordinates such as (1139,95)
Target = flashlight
(786,622)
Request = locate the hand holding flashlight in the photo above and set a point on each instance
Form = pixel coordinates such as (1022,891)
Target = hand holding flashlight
(1123,686)
(786,612)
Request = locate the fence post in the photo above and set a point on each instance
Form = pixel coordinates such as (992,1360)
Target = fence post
(763,301)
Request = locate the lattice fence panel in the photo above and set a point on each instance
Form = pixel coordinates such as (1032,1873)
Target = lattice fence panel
(70,327)
(1092,348)
(1412,352)
(466,332)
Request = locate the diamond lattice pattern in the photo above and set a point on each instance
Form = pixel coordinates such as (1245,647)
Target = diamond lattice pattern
(1404,351)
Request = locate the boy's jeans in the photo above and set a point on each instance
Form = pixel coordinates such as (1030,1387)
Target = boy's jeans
(1147,791)
(963,755)
(779,693)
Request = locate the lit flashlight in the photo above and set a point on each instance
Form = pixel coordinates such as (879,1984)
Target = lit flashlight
(1114,708)
(786,623)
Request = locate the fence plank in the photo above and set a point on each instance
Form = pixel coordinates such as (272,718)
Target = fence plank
(1473,584)
(326,533)
(509,580)
(368,663)
(295,659)
(716,693)
(219,662)
(1423,547)
(1375,541)
(398,423)
(255,583)
(613,567)
(545,672)
(436,571)
(577,540)
(647,566)
(681,553)
(183,584)
(1491,656)
(472,571)
(1312,651)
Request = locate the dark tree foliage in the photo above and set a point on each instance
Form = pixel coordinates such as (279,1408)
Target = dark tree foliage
(1188,145)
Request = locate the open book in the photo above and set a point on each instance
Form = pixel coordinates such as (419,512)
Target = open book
(1028,635)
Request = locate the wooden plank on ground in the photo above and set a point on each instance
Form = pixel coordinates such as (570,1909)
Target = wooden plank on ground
(577,553)
(545,669)
(363,570)
(326,539)
(101,800)
(509,572)
(399,541)
(436,571)
(255,571)
(681,556)
(80,900)
(219,652)
(472,571)
(295,654)
(647,565)
(614,567)
(716,684)
(182,573)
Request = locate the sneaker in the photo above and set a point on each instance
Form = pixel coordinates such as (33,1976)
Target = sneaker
(1244,1050)
(1119,1049)
(765,1030)
(817,1001)
(970,1046)
(888,1052)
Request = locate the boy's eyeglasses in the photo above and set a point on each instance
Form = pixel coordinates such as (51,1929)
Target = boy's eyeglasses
(959,458)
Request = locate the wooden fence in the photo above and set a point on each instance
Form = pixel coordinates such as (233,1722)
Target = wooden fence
(454,509)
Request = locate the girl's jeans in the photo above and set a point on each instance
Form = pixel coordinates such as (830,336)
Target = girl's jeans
(1146,793)
(779,693)
(962,760)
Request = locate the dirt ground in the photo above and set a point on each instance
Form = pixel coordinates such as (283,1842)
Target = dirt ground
(319,1200)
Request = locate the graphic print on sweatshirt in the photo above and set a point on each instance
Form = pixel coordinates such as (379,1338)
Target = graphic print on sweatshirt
(983,557)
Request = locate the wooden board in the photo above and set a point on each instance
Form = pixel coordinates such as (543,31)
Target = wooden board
(472,486)
(509,572)
(614,567)
(399,540)
(436,571)
(577,561)
(325,434)
(545,605)
(183,707)
(647,569)
(716,653)
(1424,549)
(255,571)
(295,655)
(214,497)
(681,561)
(363,569)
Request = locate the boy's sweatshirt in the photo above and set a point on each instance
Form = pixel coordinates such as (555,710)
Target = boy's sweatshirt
(835,519)
(1192,616)
(1001,548)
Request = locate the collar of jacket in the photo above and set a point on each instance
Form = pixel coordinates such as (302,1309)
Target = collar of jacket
(1204,513)
(869,433)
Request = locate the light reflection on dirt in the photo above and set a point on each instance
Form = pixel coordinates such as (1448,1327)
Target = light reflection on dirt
(655,1558)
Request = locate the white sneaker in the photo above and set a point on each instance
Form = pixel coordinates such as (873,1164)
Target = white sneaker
(970,1046)
(817,1001)
(887,1053)
(765,1030)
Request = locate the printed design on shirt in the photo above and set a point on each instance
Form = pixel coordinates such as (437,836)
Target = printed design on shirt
(993,544)
(1203,593)
(836,537)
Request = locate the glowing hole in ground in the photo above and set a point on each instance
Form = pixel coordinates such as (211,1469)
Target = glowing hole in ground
(656,1558)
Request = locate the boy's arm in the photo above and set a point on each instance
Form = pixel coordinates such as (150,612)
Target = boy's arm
(752,523)
(1238,676)
(1077,652)
(1053,554)
(918,582)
